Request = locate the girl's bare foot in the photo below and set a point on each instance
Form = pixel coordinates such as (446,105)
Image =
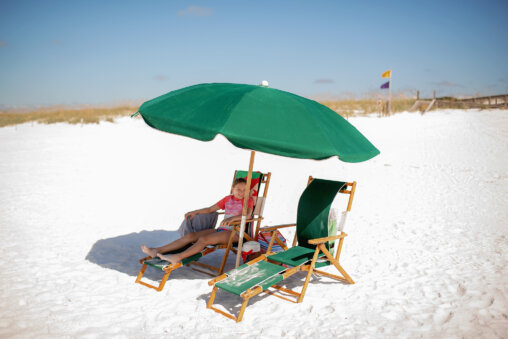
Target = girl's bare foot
(169,257)
(150,251)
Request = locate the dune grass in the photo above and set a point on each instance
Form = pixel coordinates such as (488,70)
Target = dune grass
(359,107)
(346,107)
(80,115)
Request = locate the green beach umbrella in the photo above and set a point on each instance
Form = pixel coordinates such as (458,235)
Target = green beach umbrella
(258,118)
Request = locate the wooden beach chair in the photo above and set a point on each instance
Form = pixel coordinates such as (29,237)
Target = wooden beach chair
(260,183)
(313,250)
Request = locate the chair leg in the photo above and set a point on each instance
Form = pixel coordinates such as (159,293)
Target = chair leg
(242,309)
(240,314)
(226,254)
(223,263)
(141,272)
(335,263)
(157,288)
(212,297)
(343,272)
(163,282)
(309,274)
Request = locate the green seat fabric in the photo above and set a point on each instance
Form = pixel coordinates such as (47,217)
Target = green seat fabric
(243,174)
(255,175)
(294,256)
(242,278)
(313,210)
(160,264)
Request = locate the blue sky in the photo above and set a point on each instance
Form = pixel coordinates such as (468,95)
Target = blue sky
(101,52)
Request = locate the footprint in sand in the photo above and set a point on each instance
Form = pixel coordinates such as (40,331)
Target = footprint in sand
(461,290)
(482,303)
(442,316)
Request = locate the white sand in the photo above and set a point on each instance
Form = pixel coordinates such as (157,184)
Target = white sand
(427,243)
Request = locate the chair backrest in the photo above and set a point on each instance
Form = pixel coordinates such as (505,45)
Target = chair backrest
(259,190)
(259,207)
(313,210)
(255,184)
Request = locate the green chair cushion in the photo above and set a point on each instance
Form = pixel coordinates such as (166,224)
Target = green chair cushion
(261,273)
(314,209)
(243,174)
(160,264)
(294,256)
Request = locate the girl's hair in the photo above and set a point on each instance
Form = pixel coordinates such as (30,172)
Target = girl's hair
(239,181)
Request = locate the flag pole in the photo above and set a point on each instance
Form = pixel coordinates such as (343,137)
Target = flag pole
(390,94)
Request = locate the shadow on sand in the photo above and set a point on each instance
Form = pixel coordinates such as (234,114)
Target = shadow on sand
(122,254)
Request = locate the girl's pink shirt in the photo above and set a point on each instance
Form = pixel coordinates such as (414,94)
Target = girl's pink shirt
(232,206)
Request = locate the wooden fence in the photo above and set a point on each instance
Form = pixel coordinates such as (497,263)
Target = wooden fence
(491,101)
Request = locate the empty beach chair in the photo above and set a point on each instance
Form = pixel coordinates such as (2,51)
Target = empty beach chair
(313,250)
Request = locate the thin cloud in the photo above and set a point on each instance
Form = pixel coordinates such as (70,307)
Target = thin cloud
(324,81)
(3,44)
(446,83)
(195,11)
(161,77)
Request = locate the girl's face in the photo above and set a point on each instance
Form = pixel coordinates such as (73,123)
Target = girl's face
(239,190)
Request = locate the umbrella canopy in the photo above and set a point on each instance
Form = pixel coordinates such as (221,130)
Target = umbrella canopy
(258,118)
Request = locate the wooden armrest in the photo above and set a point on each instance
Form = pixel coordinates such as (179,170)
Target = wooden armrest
(273,228)
(323,240)
(219,278)
(238,222)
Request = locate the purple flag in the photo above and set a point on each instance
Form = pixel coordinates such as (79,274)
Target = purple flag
(385,85)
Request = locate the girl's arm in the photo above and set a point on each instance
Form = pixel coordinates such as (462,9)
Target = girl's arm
(206,210)
(230,220)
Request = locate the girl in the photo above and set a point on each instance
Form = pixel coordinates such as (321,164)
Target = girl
(232,206)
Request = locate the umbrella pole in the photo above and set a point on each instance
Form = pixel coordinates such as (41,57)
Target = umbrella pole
(245,208)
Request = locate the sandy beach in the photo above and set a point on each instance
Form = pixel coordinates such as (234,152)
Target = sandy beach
(427,244)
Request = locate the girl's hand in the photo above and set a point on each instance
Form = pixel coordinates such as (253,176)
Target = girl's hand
(190,215)
(228,221)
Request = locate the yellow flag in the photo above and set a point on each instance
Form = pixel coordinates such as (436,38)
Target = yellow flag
(387,74)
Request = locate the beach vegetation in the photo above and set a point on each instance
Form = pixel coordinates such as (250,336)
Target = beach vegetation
(345,106)
(71,115)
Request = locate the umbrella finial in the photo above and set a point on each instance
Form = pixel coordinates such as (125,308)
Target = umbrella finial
(264,83)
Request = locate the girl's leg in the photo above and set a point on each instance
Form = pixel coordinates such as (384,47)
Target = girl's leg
(205,240)
(178,243)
